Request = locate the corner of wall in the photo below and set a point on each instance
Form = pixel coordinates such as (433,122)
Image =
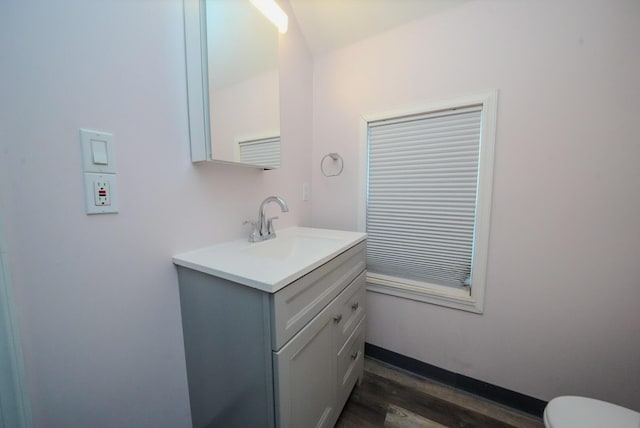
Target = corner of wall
(14,400)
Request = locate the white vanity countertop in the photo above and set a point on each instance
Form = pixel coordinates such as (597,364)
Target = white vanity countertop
(270,265)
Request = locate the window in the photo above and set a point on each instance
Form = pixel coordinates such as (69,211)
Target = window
(263,151)
(428,196)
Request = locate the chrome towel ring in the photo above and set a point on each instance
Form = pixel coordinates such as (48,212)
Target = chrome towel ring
(335,168)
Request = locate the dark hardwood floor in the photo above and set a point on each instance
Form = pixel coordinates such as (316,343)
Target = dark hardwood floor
(388,397)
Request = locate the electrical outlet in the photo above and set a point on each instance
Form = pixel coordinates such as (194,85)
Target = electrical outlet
(100,193)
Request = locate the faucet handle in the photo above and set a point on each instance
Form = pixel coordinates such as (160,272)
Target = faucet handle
(270,230)
(255,235)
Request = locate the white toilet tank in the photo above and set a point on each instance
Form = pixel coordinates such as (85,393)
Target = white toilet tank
(582,412)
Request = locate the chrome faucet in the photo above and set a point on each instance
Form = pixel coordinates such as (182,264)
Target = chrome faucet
(263,228)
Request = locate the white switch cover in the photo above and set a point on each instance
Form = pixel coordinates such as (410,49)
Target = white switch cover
(97,151)
(306,191)
(100,193)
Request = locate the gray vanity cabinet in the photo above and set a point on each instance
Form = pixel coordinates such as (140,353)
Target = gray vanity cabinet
(305,373)
(287,359)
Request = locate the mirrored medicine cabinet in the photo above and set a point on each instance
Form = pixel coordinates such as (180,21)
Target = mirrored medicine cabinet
(232,83)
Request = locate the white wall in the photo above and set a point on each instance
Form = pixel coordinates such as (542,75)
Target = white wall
(14,398)
(563,286)
(97,296)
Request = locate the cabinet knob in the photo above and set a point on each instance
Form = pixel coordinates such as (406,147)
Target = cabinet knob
(355,355)
(337,319)
(355,306)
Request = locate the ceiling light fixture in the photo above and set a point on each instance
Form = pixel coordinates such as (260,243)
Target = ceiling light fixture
(271,10)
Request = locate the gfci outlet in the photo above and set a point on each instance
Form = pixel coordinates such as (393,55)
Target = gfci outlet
(100,193)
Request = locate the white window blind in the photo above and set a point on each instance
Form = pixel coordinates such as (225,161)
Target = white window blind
(421,196)
(263,152)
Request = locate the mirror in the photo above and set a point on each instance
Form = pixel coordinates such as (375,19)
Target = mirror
(232,83)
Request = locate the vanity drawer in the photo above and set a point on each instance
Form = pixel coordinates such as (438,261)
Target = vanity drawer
(351,361)
(351,308)
(296,304)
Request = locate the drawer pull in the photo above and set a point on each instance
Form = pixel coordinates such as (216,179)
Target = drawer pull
(337,319)
(355,306)
(354,356)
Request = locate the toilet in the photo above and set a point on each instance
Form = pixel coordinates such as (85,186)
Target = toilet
(582,412)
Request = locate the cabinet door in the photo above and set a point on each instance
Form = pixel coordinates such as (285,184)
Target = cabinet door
(305,373)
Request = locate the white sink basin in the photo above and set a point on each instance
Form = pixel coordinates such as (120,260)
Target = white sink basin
(289,246)
(271,265)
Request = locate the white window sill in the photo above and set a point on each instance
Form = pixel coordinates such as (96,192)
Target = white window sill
(455,298)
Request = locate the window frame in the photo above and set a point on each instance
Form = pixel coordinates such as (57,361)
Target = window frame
(468,298)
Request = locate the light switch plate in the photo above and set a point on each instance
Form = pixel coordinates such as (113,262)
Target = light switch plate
(97,151)
(101,194)
(306,191)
